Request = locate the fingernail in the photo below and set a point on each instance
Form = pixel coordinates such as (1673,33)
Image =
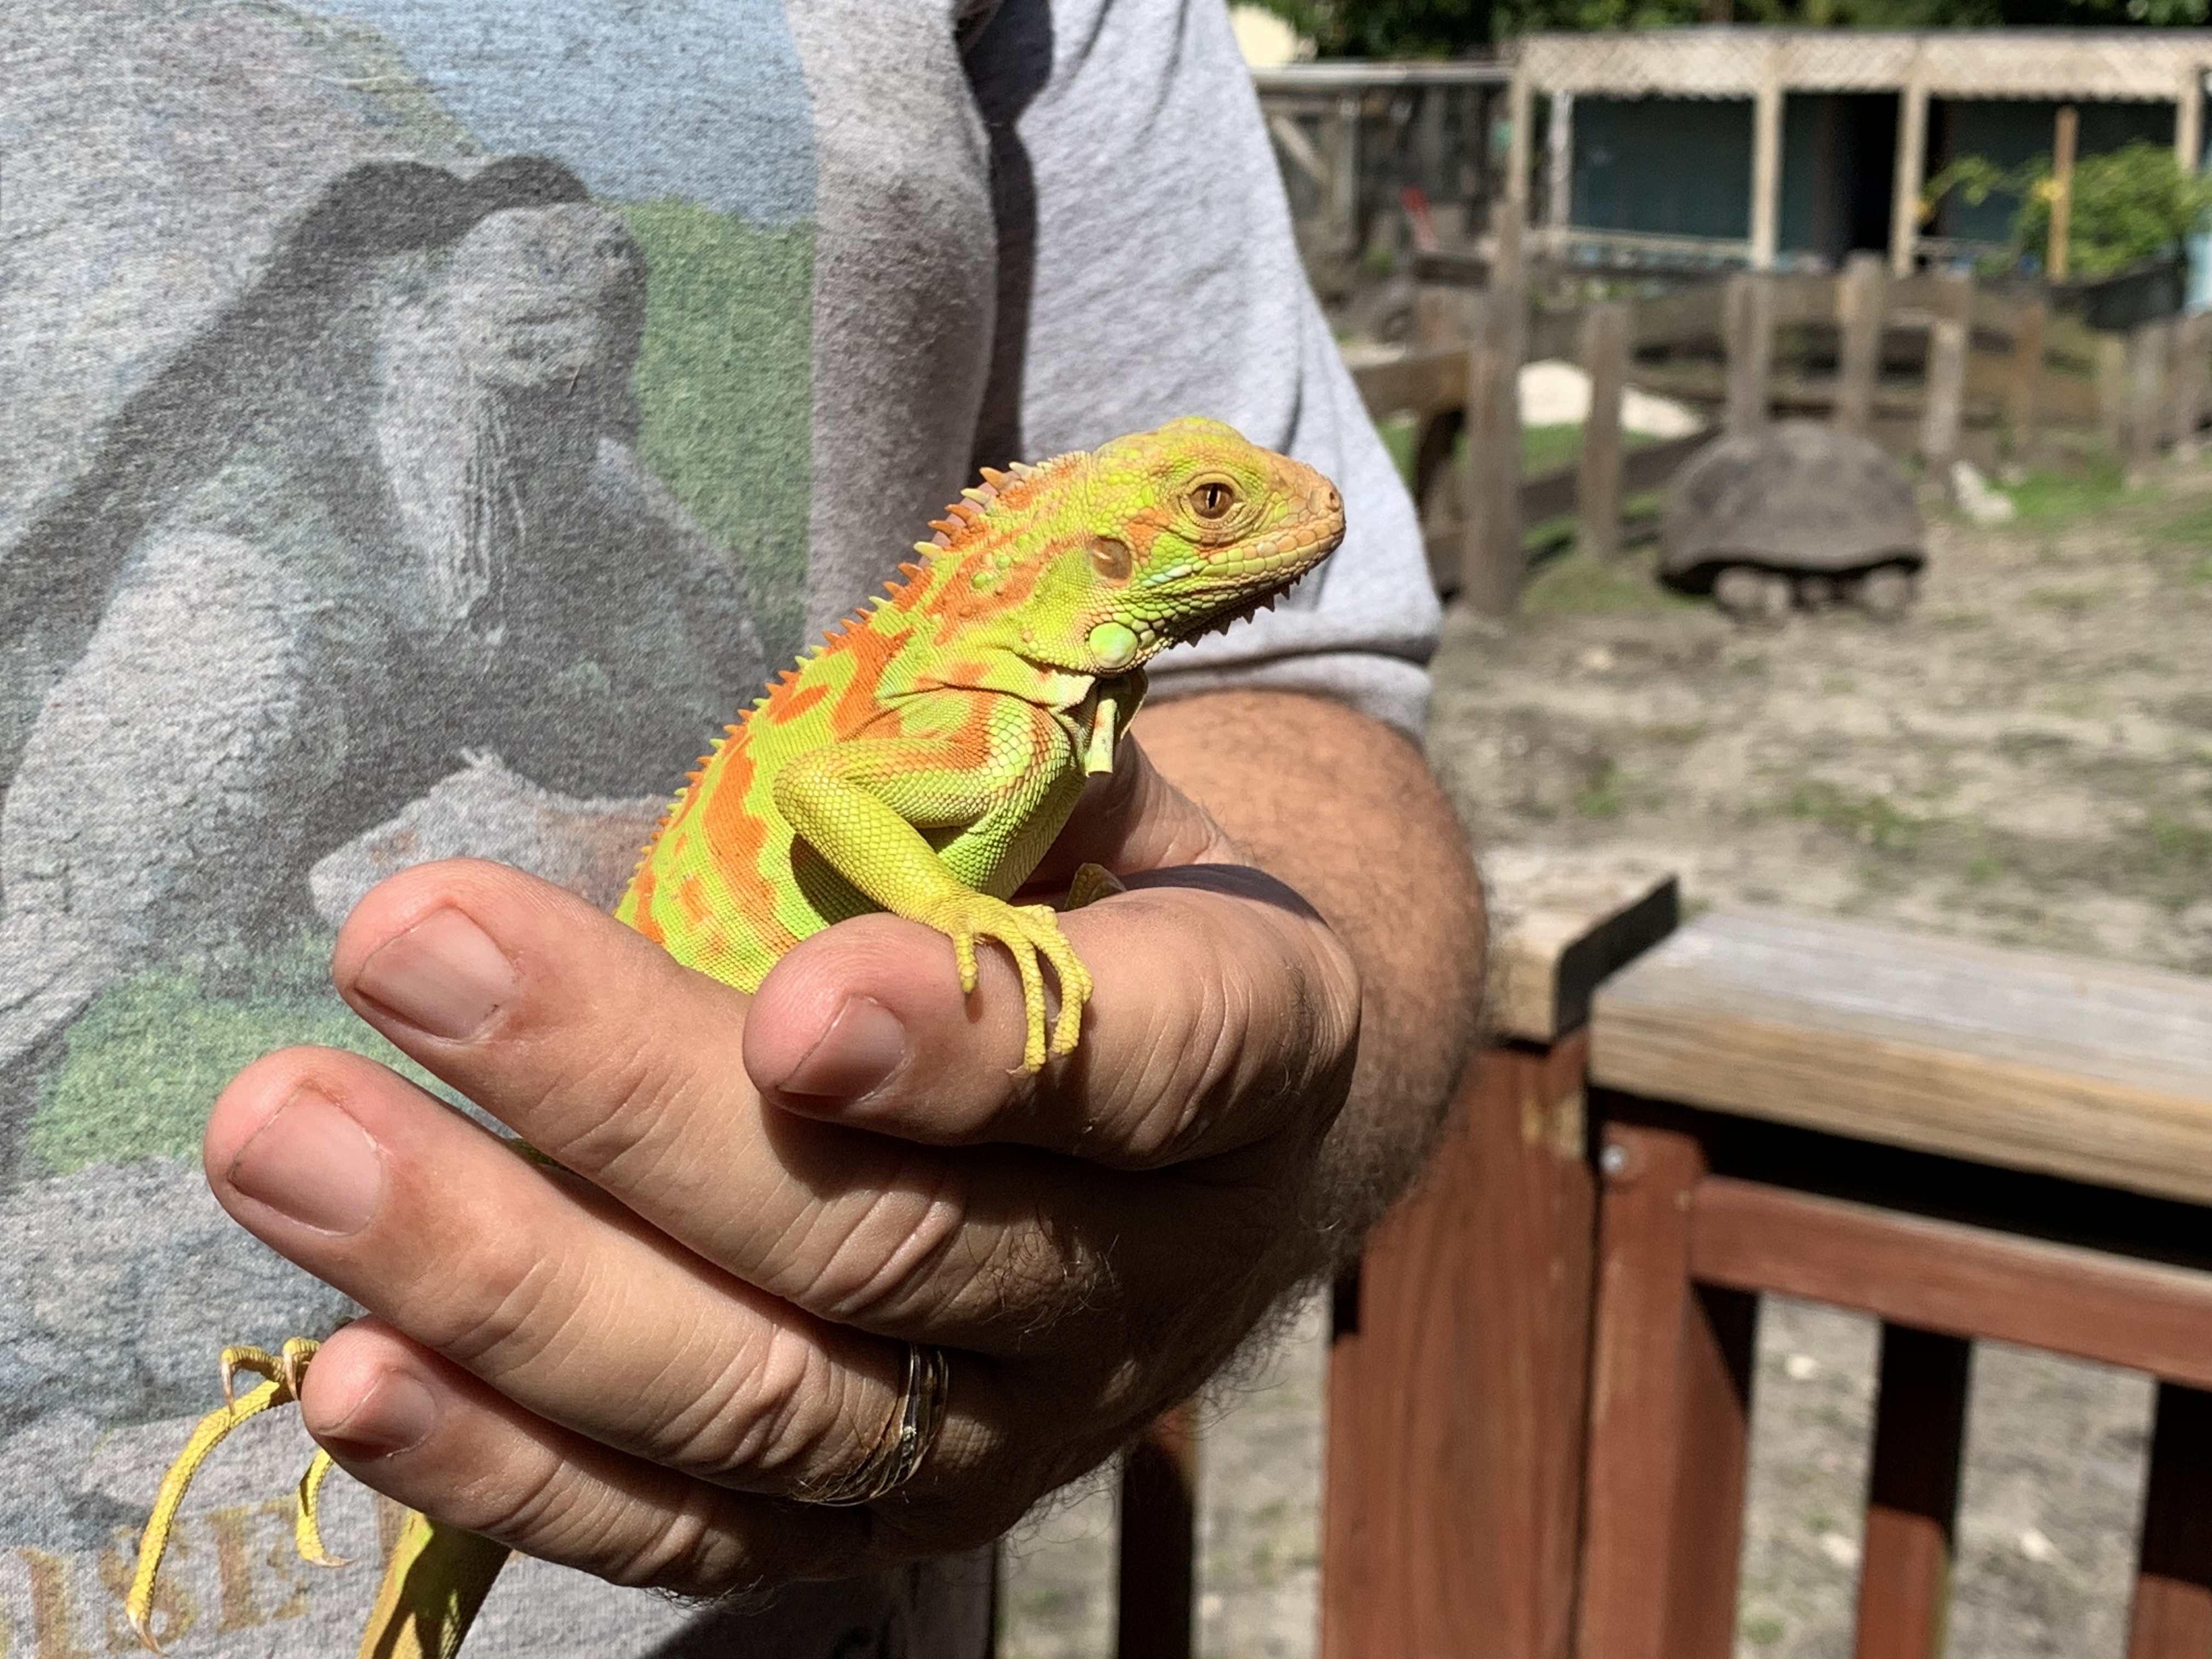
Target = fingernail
(394,1413)
(443,974)
(863,1045)
(313,1163)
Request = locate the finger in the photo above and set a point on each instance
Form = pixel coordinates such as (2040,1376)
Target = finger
(540,1287)
(599,1049)
(1221,1009)
(427,1433)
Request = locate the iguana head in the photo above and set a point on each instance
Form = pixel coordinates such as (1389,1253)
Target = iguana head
(1095,564)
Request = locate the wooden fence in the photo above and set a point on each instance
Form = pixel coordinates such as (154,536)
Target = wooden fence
(1540,1382)
(1922,363)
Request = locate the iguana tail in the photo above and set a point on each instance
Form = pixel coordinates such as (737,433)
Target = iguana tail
(435,1581)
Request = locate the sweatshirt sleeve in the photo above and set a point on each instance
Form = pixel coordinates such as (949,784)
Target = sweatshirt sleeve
(1147,269)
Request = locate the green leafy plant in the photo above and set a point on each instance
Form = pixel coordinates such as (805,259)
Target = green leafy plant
(1432,29)
(2130,204)
(1388,28)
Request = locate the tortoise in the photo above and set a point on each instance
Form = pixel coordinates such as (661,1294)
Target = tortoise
(332,413)
(1794,514)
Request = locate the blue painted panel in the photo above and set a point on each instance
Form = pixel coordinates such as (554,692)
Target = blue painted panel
(1676,166)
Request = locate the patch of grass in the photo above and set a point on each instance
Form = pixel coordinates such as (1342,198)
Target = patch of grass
(2017,746)
(2069,602)
(1600,797)
(2077,701)
(2162,858)
(725,413)
(1047,1603)
(1610,790)
(1543,448)
(1981,870)
(1764,1630)
(1751,662)
(2049,499)
(1397,434)
(140,1070)
(1873,821)
(1548,448)
(2172,853)
(1575,584)
(2192,527)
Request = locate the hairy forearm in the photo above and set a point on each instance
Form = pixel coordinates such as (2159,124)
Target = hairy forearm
(1346,811)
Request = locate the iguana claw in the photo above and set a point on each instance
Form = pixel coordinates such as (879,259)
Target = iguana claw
(1028,932)
(283,1373)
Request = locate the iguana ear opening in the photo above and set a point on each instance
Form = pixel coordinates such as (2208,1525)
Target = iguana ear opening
(1112,559)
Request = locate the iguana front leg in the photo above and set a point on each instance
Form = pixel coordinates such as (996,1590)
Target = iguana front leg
(1003,780)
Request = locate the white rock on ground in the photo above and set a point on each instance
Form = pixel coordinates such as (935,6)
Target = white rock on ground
(1265,40)
(1554,393)
(1977,499)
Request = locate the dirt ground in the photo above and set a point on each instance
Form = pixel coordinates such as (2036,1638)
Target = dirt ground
(2026,759)
(1259,1538)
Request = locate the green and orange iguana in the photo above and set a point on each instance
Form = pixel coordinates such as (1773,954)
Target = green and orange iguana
(920,761)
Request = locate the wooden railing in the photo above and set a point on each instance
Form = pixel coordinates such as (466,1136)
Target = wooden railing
(1969,1144)
(1540,1380)
(1928,357)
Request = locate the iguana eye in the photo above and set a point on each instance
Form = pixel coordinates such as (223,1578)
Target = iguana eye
(1212,498)
(1112,559)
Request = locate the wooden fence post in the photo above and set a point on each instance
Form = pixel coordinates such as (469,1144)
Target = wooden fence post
(2148,349)
(2031,322)
(1490,562)
(1912,1493)
(2184,403)
(1454,1402)
(1670,1408)
(1158,1540)
(1862,299)
(1440,314)
(2066,132)
(1452,1521)
(2112,392)
(2173,1612)
(1490,557)
(1597,482)
(1946,392)
(1748,332)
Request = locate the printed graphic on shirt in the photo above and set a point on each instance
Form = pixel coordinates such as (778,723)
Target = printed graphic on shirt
(404,452)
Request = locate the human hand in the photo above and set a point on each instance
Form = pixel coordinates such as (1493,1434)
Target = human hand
(624,1366)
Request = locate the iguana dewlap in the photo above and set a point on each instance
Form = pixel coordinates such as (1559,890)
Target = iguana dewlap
(920,761)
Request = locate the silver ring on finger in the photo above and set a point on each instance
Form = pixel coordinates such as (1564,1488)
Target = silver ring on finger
(908,1436)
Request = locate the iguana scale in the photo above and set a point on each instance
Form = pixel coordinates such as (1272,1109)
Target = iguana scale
(920,761)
